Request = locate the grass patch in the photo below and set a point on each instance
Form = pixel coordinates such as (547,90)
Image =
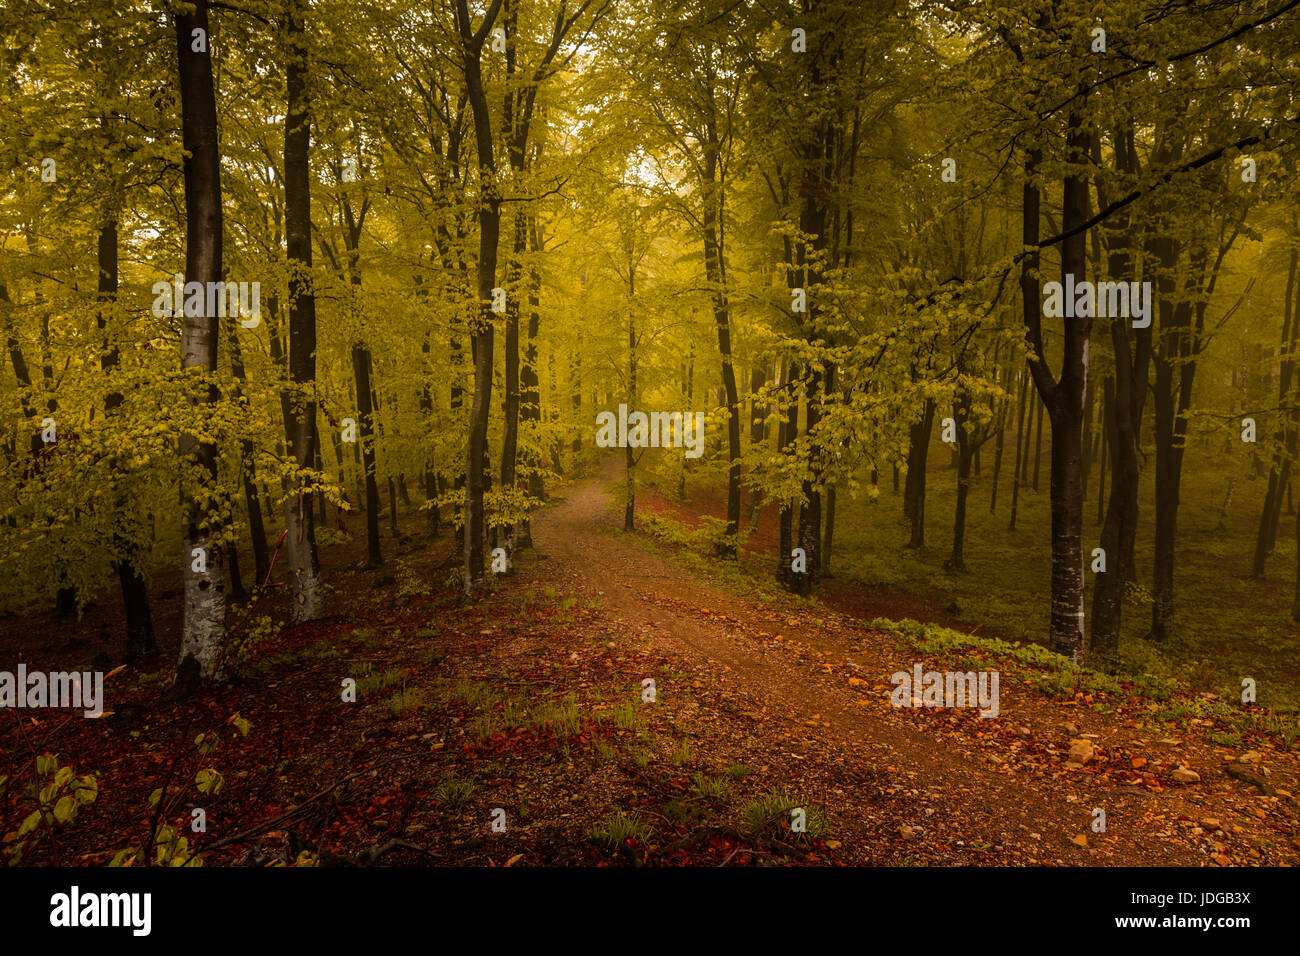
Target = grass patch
(712,788)
(627,716)
(405,700)
(683,812)
(371,682)
(453,792)
(619,827)
(769,810)
(559,717)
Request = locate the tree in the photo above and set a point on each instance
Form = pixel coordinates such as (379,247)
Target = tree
(300,405)
(482,329)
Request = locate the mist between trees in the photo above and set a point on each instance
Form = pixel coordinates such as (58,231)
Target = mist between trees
(475,228)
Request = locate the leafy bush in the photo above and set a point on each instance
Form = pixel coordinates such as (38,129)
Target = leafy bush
(55,795)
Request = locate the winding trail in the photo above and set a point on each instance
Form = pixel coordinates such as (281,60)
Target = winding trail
(811,707)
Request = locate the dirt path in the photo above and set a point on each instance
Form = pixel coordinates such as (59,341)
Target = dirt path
(804,695)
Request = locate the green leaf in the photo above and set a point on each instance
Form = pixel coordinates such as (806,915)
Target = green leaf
(126,857)
(209,781)
(87,788)
(65,809)
(30,823)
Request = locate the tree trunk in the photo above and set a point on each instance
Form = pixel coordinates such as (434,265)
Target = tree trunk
(1063,398)
(392,508)
(203,631)
(828,535)
(1021,446)
(1086,438)
(127,558)
(787,433)
(575,381)
(1295,605)
(1065,406)
(247,471)
(688,393)
(1124,397)
(1108,399)
(234,583)
(714,268)
(1038,442)
(757,433)
(510,400)
(300,427)
(489,218)
(961,413)
(810,510)
(1279,470)
(918,452)
(531,395)
(999,446)
(629,510)
(428,477)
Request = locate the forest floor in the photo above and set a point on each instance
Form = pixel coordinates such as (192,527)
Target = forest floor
(526,709)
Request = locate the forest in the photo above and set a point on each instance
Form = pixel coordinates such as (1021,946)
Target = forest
(685,432)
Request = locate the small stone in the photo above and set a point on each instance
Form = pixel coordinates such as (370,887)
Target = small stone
(1080,751)
(1183,775)
(1210,823)
(1247,774)
(909,833)
(1250,756)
